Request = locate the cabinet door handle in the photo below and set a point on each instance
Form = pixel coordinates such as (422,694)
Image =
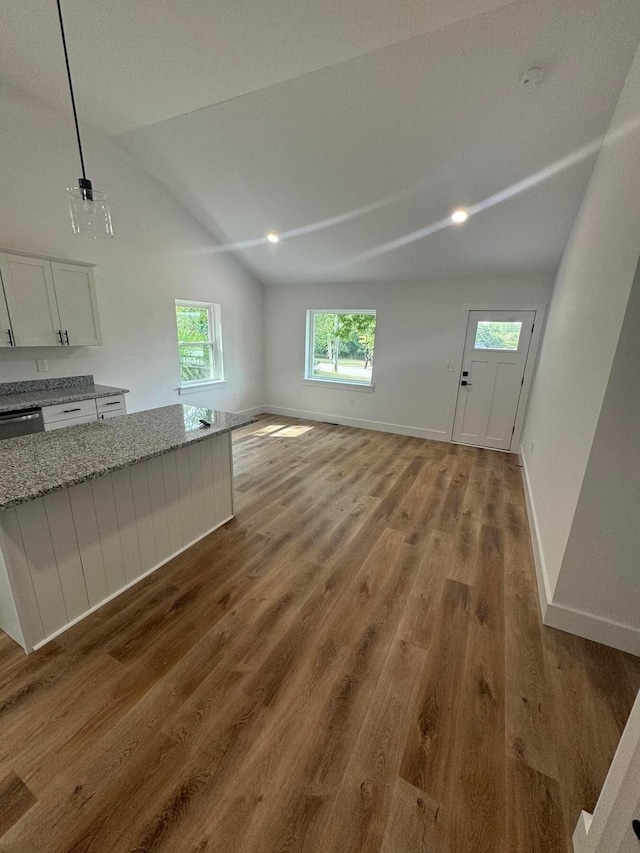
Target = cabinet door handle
(115,403)
(66,334)
(60,336)
(66,411)
(11,343)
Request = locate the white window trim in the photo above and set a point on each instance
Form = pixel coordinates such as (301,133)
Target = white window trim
(309,378)
(215,343)
(201,385)
(339,384)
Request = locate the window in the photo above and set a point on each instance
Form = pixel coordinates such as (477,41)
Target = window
(340,346)
(199,342)
(497,335)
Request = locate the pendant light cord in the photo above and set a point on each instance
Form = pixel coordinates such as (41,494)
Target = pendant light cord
(73,100)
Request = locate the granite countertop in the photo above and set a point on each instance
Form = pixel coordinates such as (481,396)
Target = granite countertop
(37,397)
(35,465)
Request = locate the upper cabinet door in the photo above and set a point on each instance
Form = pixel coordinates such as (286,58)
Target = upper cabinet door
(31,300)
(76,294)
(6,332)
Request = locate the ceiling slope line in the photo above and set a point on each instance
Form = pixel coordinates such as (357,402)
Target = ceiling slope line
(340,63)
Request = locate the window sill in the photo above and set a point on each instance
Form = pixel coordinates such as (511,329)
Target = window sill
(202,386)
(339,384)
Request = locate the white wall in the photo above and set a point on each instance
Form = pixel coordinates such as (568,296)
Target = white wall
(600,572)
(420,327)
(583,325)
(158,254)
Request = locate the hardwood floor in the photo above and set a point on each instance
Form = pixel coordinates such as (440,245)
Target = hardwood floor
(355,663)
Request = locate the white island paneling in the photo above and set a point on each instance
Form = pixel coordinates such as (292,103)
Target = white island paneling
(67,553)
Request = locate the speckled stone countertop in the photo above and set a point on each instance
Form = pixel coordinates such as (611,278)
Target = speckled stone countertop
(34,465)
(32,394)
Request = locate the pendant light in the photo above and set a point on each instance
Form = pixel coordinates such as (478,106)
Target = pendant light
(89,208)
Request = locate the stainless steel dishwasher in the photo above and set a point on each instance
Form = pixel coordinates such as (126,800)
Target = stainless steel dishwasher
(22,422)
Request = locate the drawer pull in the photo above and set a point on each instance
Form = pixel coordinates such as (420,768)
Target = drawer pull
(67,411)
(115,403)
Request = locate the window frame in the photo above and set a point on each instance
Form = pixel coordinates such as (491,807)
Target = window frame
(309,378)
(214,343)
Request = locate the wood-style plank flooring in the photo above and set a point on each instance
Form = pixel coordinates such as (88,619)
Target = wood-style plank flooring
(355,663)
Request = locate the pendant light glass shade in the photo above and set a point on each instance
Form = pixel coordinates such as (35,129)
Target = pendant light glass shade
(89,208)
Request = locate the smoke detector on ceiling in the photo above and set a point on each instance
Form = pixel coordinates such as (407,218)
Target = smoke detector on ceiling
(532,78)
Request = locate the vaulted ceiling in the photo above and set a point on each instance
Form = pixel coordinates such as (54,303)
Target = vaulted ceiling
(352,128)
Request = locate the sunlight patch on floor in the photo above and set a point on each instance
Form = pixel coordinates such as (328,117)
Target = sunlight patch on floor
(269,429)
(292,431)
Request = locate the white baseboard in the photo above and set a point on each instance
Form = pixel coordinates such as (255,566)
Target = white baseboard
(256,410)
(562,616)
(124,588)
(379,426)
(593,627)
(581,832)
(544,587)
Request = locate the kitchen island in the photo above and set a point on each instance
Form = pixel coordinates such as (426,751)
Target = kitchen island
(87,511)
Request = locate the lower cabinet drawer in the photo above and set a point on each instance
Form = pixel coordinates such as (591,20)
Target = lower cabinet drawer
(112,413)
(107,404)
(85,419)
(66,411)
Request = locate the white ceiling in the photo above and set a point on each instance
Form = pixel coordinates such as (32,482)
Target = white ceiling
(136,62)
(421,111)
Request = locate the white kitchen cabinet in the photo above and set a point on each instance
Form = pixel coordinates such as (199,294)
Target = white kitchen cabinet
(75,292)
(6,332)
(83,419)
(49,302)
(69,414)
(117,403)
(114,413)
(83,411)
(111,407)
(31,301)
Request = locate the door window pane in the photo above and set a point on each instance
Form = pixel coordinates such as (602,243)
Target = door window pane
(497,335)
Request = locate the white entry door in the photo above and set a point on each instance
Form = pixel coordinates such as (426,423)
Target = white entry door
(495,357)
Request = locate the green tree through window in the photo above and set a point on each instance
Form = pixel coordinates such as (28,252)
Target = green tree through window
(343,345)
(199,344)
(497,335)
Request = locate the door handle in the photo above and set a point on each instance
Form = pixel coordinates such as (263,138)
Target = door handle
(11,343)
(465,383)
(66,334)
(66,411)
(60,336)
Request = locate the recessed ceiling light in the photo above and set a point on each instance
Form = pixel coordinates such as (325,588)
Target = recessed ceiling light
(459,216)
(273,238)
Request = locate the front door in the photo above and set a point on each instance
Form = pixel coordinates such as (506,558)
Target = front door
(495,357)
